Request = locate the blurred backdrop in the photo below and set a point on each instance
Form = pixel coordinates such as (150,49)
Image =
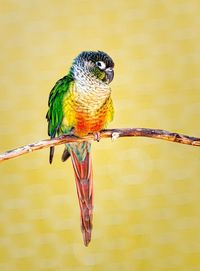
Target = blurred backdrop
(147,212)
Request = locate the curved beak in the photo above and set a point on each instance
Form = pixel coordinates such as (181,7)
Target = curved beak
(109,75)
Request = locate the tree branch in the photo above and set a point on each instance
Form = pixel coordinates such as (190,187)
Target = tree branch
(109,133)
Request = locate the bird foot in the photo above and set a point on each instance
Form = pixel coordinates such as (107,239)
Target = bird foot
(97,136)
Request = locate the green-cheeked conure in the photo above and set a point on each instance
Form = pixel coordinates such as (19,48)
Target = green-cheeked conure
(81,103)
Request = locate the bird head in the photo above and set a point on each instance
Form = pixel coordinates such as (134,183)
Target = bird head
(96,64)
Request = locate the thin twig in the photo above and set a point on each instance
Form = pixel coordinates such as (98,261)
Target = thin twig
(109,133)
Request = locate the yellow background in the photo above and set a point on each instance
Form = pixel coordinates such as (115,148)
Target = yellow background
(147,211)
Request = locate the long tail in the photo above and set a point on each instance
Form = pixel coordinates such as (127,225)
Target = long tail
(81,160)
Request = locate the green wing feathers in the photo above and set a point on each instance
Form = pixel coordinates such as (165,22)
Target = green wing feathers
(55,113)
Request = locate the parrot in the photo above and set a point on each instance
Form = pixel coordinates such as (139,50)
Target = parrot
(80,103)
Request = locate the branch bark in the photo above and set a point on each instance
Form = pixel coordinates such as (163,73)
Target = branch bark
(109,133)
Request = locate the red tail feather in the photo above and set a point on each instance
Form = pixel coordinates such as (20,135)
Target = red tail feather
(84,185)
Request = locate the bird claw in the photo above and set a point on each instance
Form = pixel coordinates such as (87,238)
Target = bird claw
(97,136)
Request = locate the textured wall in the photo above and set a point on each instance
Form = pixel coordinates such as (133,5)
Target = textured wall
(147,212)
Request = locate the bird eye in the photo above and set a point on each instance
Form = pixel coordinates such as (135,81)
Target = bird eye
(101,65)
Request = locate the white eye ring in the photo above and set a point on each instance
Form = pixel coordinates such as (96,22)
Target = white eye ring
(101,65)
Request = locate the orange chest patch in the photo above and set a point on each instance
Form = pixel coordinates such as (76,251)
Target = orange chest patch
(89,123)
